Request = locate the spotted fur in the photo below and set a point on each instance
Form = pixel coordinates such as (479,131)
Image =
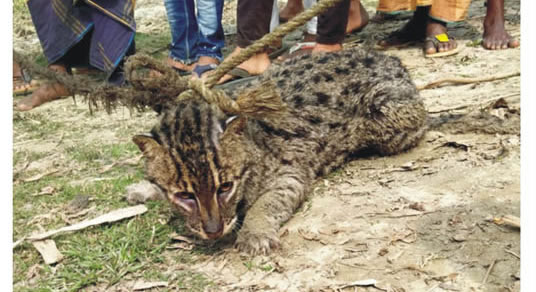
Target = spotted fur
(220,170)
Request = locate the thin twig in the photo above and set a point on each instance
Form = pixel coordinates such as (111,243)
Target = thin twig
(433,287)
(474,104)
(488,272)
(440,82)
(512,253)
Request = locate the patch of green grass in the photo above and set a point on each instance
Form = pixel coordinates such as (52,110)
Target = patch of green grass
(38,126)
(154,44)
(105,253)
(97,154)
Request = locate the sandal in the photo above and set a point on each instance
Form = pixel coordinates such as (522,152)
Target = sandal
(199,70)
(436,40)
(23,83)
(396,40)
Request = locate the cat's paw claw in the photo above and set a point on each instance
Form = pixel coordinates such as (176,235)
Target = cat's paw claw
(257,244)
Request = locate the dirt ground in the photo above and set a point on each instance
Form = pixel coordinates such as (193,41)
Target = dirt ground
(419,221)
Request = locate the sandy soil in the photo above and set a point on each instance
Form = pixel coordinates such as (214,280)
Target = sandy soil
(419,221)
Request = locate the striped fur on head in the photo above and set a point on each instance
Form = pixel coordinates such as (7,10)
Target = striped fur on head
(183,158)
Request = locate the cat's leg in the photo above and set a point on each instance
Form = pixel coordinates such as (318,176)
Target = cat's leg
(259,232)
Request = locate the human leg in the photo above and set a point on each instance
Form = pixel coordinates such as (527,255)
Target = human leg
(211,36)
(332,28)
(438,42)
(293,8)
(413,31)
(495,36)
(184,33)
(358,17)
(253,22)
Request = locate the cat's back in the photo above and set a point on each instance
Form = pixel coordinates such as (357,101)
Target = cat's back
(341,85)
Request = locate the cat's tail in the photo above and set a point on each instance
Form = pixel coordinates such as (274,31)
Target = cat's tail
(496,118)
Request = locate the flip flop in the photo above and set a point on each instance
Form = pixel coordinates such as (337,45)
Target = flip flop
(405,39)
(202,69)
(440,38)
(25,83)
(181,72)
(240,76)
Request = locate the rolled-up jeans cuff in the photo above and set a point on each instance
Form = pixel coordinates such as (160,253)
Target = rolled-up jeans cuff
(183,61)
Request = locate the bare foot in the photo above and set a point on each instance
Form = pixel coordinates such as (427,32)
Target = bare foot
(177,65)
(293,8)
(255,65)
(495,36)
(47,92)
(358,17)
(326,48)
(434,28)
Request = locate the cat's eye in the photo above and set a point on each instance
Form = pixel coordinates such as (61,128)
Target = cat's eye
(225,187)
(184,196)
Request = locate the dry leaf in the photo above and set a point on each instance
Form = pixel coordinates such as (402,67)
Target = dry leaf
(113,216)
(141,285)
(417,206)
(361,283)
(308,235)
(132,161)
(178,237)
(107,168)
(81,213)
(383,251)
(49,252)
(48,190)
(33,271)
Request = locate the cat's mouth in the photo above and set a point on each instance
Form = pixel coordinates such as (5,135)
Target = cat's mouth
(227,228)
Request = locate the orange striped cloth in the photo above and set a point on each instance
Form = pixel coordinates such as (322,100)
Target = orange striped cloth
(444,10)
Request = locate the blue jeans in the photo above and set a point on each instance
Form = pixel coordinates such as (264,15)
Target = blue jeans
(191,36)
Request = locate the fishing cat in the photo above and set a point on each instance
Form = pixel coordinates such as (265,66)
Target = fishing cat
(226,172)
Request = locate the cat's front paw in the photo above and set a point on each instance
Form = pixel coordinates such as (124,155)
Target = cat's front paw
(257,243)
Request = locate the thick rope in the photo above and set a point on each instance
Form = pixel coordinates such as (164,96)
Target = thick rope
(276,35)
(161,91)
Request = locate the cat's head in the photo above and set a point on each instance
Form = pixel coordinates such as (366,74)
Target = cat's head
(192,156)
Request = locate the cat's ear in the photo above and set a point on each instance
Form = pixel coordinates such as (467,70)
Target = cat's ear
(158,163)
(147,144)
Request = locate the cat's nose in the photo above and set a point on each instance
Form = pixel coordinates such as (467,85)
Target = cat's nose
(213,228)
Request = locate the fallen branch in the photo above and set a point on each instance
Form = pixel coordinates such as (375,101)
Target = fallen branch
(113,216)
(509,220)
(440,82)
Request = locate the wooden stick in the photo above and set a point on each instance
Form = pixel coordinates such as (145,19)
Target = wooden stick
(509,220)
(440,82)
(488,272)
(512,253)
